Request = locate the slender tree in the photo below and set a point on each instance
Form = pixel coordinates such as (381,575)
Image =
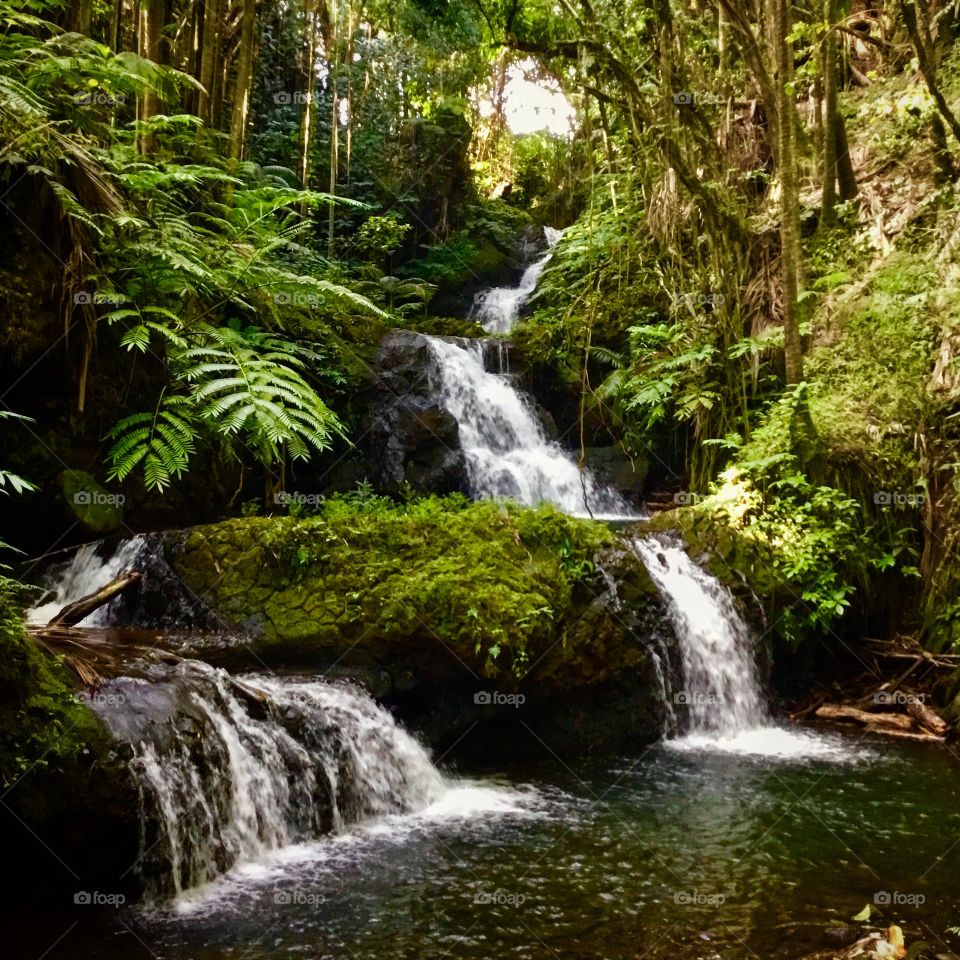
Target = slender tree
(151,46)
(243,84)
(830,115)
(789,189)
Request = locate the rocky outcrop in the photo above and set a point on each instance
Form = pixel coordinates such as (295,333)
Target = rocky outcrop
(453,619)
(410,440)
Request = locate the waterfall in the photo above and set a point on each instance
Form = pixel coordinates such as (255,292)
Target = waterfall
(498,308)
(721,688)
(506,447)
(83,574)
(230,769)
(721,693)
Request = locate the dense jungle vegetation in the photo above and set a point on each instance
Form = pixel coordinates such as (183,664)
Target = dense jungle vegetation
(212,211)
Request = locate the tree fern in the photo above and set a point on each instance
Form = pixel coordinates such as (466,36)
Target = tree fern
(246,385)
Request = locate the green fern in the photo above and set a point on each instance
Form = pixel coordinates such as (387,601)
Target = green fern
(162,441)
(12,481)
(242,386)
(247,385)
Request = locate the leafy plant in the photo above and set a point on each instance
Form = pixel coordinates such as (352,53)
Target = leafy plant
(242,386)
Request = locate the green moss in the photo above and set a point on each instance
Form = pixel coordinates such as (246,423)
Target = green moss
(496,584)
(43,722)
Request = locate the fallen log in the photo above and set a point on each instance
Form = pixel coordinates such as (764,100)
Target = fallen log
(74,612)
(926,717)
(892,721)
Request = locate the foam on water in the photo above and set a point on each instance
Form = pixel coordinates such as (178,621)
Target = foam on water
(462,804)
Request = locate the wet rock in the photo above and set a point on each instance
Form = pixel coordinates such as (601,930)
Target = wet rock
(410,440)
(611,466)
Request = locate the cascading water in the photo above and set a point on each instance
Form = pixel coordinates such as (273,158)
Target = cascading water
(498,308)
(84,573)
(231,769)
(725,705)
(507,450)
(722,691)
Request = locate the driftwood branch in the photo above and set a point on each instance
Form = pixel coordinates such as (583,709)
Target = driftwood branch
(893,721)
(927,717)
(74,612)
(903,726)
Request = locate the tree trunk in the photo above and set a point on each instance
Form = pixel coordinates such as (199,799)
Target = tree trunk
(309,110)
(209,56)
(846,176)
(151,47)
(789,192)
(243,87)
(830,116)
(74,612)
(82,17)
(333,61)
(116,26)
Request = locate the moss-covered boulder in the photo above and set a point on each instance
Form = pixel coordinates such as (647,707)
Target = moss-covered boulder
(68,817)
(437,603)
(99,510)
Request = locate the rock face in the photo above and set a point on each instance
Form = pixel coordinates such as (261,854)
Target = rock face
(410,439)
(612,467)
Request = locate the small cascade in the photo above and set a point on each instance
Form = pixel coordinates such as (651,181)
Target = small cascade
(497,309)
(160,601)
(721,689)
(84,573)
(230,769)
(721,693)
(507,449)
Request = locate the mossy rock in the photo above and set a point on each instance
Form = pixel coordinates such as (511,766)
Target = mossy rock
(425,589)
(99,510)
(69,796)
